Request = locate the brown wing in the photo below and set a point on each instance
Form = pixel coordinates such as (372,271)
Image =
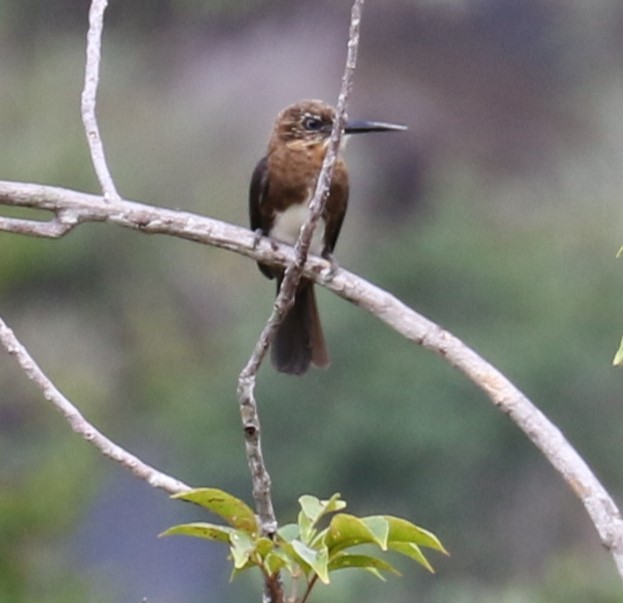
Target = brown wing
(258,190)
(257,193)
(335,209)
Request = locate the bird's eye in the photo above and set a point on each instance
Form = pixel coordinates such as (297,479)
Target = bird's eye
(312,124)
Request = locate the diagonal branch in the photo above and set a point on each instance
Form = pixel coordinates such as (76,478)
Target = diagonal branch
(285,298)
(79,424)
(598,503)
(89,94)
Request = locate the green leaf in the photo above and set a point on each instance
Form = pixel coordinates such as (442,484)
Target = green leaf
(379,526)
(242,546)
(289,532)
(618,358)
(294,559)
(347,530)
(201,530)
(319,539)
(413,551)
(235,572)
(311,507)
(402,530)
(347,561)
(306,528)
(317,559)
(314,508)
(234,511)
(275,561)
(263,546)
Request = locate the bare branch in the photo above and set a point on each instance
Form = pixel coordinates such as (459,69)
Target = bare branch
(59,226)
(79,424)
(78,207)
(285,297)
(599,504)
(89,94)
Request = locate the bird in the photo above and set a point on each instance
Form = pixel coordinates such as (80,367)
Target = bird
(282,186)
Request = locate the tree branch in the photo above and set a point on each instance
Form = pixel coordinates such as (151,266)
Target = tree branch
(284,301)
(599,505)
(89,94)
(79,424)
(285,298)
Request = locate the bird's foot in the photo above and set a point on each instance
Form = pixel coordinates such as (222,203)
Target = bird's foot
(329,274)
(257,235)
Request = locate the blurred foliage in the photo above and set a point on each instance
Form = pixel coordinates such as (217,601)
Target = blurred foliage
(33,16)
(498,216)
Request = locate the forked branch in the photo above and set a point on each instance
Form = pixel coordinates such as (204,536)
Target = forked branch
(89,95)
(71,208)
(407,322)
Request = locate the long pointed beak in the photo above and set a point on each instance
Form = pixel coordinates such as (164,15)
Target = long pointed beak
(360,127)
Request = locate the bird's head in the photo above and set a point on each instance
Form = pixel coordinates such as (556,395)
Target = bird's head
(305,124)
(308,124)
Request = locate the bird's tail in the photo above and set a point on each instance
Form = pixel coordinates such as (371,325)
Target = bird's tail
(299,340)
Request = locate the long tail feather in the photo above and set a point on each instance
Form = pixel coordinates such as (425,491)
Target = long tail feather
(300,341)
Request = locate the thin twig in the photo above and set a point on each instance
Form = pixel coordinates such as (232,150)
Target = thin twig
(308,590)
(79,424)
(89,95)
(600,506)
(285,298)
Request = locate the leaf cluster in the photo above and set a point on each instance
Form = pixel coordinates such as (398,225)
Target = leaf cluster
(305,549)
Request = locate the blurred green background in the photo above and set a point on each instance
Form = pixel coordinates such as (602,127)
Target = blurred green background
(497,215)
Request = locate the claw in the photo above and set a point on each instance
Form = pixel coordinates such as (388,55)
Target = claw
(257,235)
(329,274)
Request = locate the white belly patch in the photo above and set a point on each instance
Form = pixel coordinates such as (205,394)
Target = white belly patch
(288,225)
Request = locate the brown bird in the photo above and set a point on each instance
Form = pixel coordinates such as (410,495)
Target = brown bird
(282,186)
